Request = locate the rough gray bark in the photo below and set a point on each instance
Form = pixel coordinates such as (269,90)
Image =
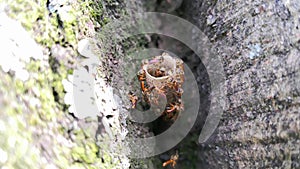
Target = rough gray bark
(259,45)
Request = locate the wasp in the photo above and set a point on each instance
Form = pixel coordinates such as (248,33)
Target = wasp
(133,99)
(159,72)
(141,75)
(172,160)
(142,78)
(173,107)
(173,85)
(172,110)
(146,90)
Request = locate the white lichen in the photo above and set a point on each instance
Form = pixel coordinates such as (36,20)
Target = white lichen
(18,47)
(90,96)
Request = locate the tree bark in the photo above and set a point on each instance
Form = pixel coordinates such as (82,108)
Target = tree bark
(259,43)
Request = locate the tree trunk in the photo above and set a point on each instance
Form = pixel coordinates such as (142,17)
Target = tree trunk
(259,43)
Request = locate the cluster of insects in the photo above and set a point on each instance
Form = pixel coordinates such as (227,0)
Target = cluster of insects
(165,80)
(161,76)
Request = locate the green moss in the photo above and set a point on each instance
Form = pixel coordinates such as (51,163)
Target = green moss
(85,153)
(78,153)
(79,134)
(45,85)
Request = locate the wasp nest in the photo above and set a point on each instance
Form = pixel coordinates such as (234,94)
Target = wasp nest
(162,76)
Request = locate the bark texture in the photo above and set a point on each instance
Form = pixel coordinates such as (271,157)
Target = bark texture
(259,43)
